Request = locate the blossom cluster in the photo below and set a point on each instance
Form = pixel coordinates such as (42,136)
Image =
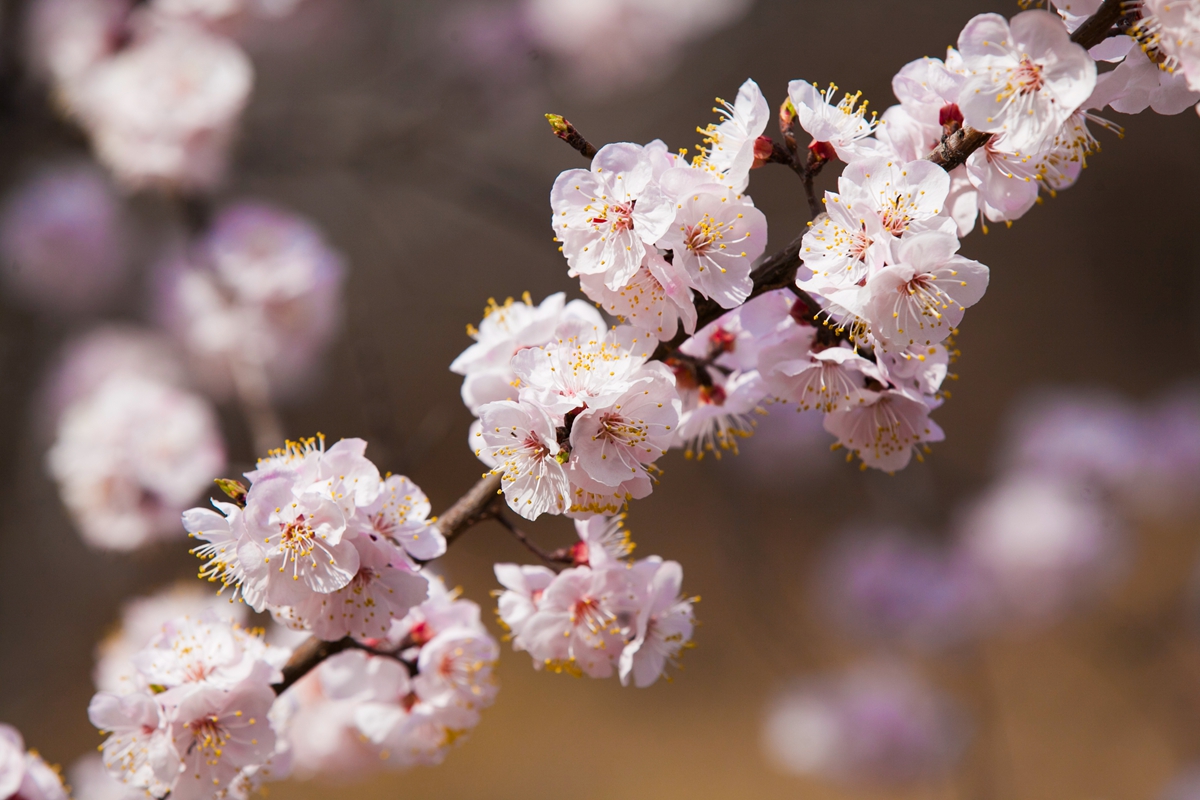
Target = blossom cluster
(248,310)
(158,86)
(603,614)
(877,723)
(190,707)
(880,291)
(321,540)
(134,447)
(358,712)
(194,720)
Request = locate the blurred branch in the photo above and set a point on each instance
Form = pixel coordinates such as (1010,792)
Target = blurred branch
(469,509)
(311,652)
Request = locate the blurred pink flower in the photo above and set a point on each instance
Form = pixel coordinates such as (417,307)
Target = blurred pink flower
(106,351)
(1042,546)
(130,457)
(890,586)
(63,240)
(878,723)
(66,39)
(608,46)
(163,112)
(261,290)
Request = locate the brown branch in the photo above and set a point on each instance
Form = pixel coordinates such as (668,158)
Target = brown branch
(305,658)
(1096,28)
(469,509)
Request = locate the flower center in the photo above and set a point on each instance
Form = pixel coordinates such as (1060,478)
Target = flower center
(1028,76)
(895,216)
(297,537)
(208,736)
(618,429)
(618,215)
(587,611)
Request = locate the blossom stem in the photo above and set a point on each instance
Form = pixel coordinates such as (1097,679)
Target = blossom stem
(557,557)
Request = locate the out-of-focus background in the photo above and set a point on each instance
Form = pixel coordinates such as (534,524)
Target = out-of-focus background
(411,134)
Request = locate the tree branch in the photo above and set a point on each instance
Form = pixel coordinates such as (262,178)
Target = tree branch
(469,509)
(1095,29)
(305,658)
(776,271)
(561,556)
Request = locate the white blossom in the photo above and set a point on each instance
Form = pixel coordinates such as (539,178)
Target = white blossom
(884,430)
(607,217)
(657,299)
(1025,77)
(522,439)
(922,298)
(663,628)
(715,238)
(729,144)
(505,330)
(23,774)
(614,443)
(844,126)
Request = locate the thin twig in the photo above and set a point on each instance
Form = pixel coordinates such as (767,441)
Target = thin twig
(561,556)
(305,658)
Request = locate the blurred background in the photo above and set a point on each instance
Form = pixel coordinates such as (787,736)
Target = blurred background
(845,651)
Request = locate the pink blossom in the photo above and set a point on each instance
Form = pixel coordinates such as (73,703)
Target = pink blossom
(64,240)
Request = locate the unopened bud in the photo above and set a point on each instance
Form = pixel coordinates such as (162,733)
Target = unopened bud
(685,374)
(559,125)
(721,341)
(802,313)
(712,396)
(787,116)
(821,151)
(579,554)
(950,118)
(764,148)
(235,489)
